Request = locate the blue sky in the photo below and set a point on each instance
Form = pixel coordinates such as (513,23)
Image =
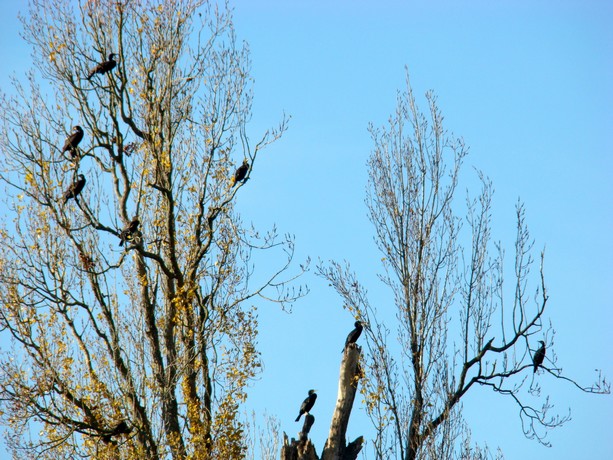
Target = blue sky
(527,84)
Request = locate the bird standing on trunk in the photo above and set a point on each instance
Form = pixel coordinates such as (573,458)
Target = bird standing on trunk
(354,335)
(307,404)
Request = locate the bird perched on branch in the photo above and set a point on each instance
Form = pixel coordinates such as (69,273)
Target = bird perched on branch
(240,173)
(70,145)
(128,233)
(354,335)
(539,356)
(307,404)
(119,429)
(75,189)
(103,67)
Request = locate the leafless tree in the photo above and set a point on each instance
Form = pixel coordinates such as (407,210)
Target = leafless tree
(454,329)
(142,350)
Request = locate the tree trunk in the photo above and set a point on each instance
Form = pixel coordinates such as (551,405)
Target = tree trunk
(298,450)
(336,447)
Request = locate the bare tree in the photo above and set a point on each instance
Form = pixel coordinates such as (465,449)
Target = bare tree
(130,307)
(454,331)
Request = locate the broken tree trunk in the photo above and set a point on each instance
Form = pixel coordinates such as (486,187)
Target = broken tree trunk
(336,447)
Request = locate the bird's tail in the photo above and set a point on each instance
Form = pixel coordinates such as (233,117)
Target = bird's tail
(298,418)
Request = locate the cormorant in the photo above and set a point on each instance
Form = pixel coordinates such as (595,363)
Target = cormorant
(354,335)
(241,172)
(539,356)
(72,141)
(103,67)
(74,189)
(121,428)
(128,233)
(307,404)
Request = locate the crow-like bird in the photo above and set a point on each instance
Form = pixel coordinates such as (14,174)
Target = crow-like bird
(539,356)
(121,428)
(354,335)
(128,233)
(103,67)
(72,141)
(74,189)
(241,172)
(307,404)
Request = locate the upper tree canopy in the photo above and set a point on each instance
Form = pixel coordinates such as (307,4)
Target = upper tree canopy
(454,324)
(125,274)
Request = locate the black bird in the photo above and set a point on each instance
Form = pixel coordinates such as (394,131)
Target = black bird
(74,189)
(121,428)
(129,232)
(354,335)
(539,356)
(72,141)
(103,67)
(241,172)
(307,404)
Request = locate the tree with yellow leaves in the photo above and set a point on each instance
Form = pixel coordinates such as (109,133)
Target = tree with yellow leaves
(143,350)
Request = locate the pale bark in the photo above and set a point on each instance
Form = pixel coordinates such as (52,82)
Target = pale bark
(336,447)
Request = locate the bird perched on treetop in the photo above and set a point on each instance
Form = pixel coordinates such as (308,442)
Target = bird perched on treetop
(128,233)
(241,172)
(103,67)
(74,189)
(539,356)
(307,404)
(72,141)
(354,335)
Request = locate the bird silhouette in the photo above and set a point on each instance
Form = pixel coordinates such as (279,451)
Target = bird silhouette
(103,67)
(354,335)
(70,145)
(128,233)
(241,172)
(307,404)
(539,356)
(119,429)
(75,188)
